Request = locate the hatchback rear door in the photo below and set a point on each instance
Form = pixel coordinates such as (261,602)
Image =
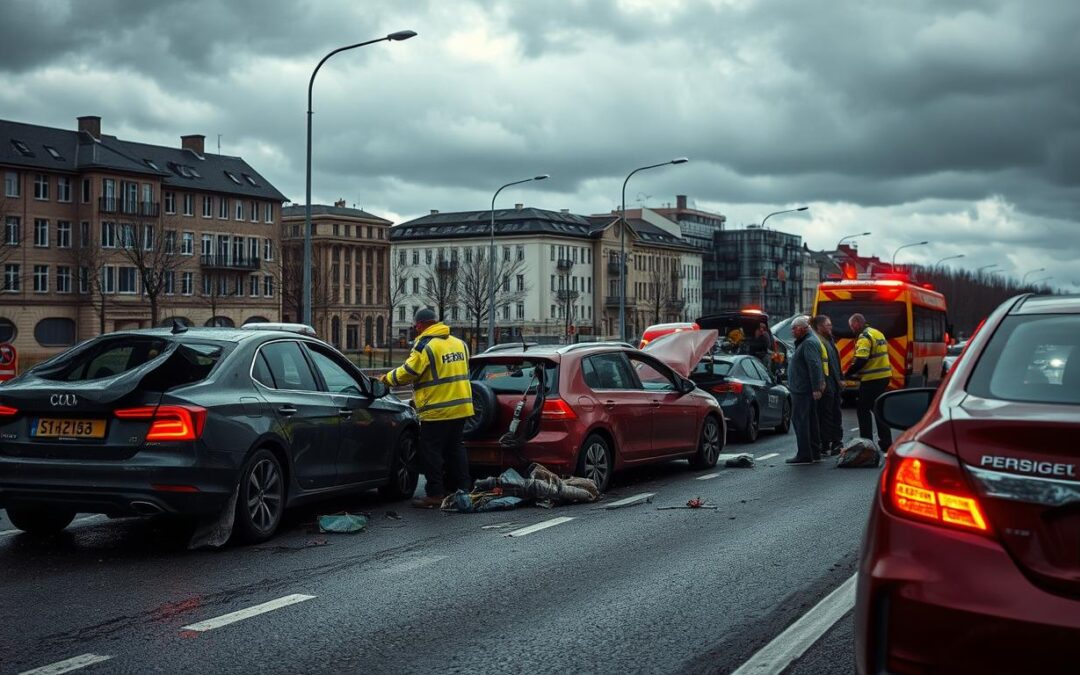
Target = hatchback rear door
(629,409)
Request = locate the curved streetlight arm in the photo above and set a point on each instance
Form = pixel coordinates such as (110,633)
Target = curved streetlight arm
(918,243)
(1023,279)
(491,257)
(311,82)
(851,236)
(776,213)
(949,257)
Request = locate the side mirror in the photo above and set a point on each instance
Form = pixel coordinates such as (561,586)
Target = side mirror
(904,408)
(686,386)
(378,388)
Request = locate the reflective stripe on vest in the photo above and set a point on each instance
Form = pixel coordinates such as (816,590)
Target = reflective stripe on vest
(877,365)
(824,358)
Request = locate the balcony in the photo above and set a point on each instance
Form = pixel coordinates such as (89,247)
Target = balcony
(221,262)
(613,301)
(128,208)
(565,265)
(565,295)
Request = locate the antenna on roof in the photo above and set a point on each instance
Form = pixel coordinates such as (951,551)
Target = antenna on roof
(178,326)
(219,144)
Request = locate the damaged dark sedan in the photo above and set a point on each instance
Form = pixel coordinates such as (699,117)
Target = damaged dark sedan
(176,421)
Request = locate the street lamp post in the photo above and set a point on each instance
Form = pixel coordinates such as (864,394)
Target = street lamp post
(491,258)
(392,37)
(776,213)
(851,236)
(949,257)
(1028,274)
(622,242)
(918,243)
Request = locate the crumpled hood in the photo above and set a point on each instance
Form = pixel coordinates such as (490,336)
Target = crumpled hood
(683,351)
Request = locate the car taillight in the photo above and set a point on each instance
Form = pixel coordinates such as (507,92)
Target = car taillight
(557,409)
(8,411)
(727,388)
(169,422)
(927,484)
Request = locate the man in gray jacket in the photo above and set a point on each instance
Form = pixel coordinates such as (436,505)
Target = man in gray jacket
(806,380)
(828,407)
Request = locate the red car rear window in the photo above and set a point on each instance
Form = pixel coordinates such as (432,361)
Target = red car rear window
(1032,358)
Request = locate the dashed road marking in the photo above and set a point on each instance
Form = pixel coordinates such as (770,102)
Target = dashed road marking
(776,656)
(707,476)
(88,519)
(415,563)
(543,525)
(629,501)
(497,526)
(768,456)
(853,429)
(68,665)
(240,615)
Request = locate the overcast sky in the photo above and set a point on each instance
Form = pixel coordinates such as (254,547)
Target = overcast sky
(948,120)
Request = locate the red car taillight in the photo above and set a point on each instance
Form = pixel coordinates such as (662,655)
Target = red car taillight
(557,409)
(727,388)
(170,422)
(8,411)
(926,484)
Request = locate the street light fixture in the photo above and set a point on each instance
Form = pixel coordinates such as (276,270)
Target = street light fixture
(491,257)
(622,242)
(851,236)
(392,37)
(1028,274)
(950,257)
(776,213)
(918,243)
(985,267)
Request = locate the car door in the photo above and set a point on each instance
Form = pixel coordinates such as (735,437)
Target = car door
(627,409)
(674,415)
(760,382)
(364,429)
(308,415)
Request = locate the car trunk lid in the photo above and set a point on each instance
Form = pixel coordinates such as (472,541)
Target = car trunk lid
(682,351)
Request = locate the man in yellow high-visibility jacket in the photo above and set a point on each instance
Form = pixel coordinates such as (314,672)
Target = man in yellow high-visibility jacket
(438,369)
(871,367)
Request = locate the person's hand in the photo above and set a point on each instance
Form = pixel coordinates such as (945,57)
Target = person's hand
(817,395)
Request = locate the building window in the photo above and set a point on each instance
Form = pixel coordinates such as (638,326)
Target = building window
(207,245)
(63,234)
(239,209)
(84,280)
(254,212)
(520,253)
(189,205)
(12,278)
(170,202)
(108,279)
(337,230)
(187,283)
(170,283)
(63,189)
(63,279)
(223,208)
(55,332)
(253,284)
(187,243)
(506,312)
(553,252)
(268,213)
(268,286)
(427,256)
(41,278)
(125,280)
(454,314)
(12,185)
(86,191)
(207,207)
(84,234)
(401,314)
(41,186)
(521,282)
(506,255)
(416,256)
(238,287)
(416,285)
(12,231)
(41,233)
(521,310)
(170,241)
(268,250)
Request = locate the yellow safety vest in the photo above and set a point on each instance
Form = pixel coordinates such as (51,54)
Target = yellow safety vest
(438,369)
(824,356)
(873,346)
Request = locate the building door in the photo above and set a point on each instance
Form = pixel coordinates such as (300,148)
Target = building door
(335,332)
(352,332)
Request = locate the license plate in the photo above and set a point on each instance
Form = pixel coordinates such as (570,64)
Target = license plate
(47,427)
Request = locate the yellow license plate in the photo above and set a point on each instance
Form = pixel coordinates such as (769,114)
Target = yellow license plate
(66,428)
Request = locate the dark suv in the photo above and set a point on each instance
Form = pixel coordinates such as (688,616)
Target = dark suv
(175,421)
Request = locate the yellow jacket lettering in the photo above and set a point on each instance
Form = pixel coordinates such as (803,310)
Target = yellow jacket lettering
(438,369)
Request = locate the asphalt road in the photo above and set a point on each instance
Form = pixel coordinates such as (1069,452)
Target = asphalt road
(633,589)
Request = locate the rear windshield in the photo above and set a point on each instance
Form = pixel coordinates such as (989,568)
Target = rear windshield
(712,367)
(888,317)
(514,377)
(1031,358)
(110,357)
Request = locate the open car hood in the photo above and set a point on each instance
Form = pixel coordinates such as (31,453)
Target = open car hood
(682,351)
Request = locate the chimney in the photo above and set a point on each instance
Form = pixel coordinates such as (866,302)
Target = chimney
(340,204)
(193,142)
(518,207)
(434,212)
(564,210)
(680,202)
(91,124)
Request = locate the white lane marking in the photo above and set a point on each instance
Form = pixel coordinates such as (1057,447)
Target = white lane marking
(636,499)
(415,563)
(497,526)
(853,429)
(543,525)
(768,456)
(67,665)
(776,656)
(708,476)
(88,519)
(240,615)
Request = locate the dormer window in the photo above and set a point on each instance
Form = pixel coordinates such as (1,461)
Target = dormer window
(54,152)
(21,148)
(232,177)
(194,172)
(150,163)
(250,180)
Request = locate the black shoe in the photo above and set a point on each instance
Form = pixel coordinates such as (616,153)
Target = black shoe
(798,460)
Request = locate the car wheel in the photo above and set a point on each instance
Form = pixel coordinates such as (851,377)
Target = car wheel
(750,433)
(403,476)
(595,462)
(485,407)
(709,445)
(261,500)
(40,519)
(785,419)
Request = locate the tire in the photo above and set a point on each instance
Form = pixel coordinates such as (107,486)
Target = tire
(753,428)
(40,519)
(485,406)
(710,445)
(401,483)
(785,419)
(261,500)
(596,461)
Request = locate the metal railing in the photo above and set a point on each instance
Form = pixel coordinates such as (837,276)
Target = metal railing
(229,263)
(127,207)
(613,301)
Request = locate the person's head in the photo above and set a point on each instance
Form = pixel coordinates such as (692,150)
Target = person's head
(857,322)
(761,331)
(800,326)
(822,325)
(424,319)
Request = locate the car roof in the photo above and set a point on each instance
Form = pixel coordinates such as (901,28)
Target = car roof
(554,351)
(206,333)
(1048,304)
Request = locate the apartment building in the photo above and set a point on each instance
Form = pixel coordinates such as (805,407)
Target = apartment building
(101,234)
(350,265)
(755,267)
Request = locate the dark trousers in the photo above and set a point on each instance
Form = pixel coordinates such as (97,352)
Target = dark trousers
(832,422)
(802,410)
(443,460)
(868,395)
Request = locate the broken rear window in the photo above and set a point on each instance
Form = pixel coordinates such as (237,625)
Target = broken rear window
(512,378)
(110,357)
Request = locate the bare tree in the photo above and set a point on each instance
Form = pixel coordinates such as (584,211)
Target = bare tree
(155,256)
(661,291)
(289,276)
(87,260)
(216,288)
(442,286)
(397,291)
(474,288)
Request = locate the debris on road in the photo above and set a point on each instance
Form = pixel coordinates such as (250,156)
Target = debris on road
(695,503)
(510,490)
(861,453)
(645,498)
(741,461)
(216,533)
(393,515)
(342,523)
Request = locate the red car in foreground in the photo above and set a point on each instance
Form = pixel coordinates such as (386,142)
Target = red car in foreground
(971,560)
(591,409)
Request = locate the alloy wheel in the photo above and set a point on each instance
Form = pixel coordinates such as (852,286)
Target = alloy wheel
(597,466)
(264,495)
(710,438)
(405,456)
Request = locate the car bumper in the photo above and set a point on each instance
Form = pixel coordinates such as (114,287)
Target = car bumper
(553,449)
(934,600)
(736,412)
(153,481)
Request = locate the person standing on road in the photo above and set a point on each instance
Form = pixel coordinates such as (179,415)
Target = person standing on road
(832,423)
(438,369)
(806,381)
(872,369)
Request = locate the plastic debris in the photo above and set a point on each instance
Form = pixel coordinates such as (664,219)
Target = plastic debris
(741,461)
(695,503)
(342,523)
(645,498)
(861,453)
(510,490)
(216,533)
(393,515)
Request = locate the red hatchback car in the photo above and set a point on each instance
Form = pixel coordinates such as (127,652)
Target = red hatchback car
(971,560)
(592,409)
